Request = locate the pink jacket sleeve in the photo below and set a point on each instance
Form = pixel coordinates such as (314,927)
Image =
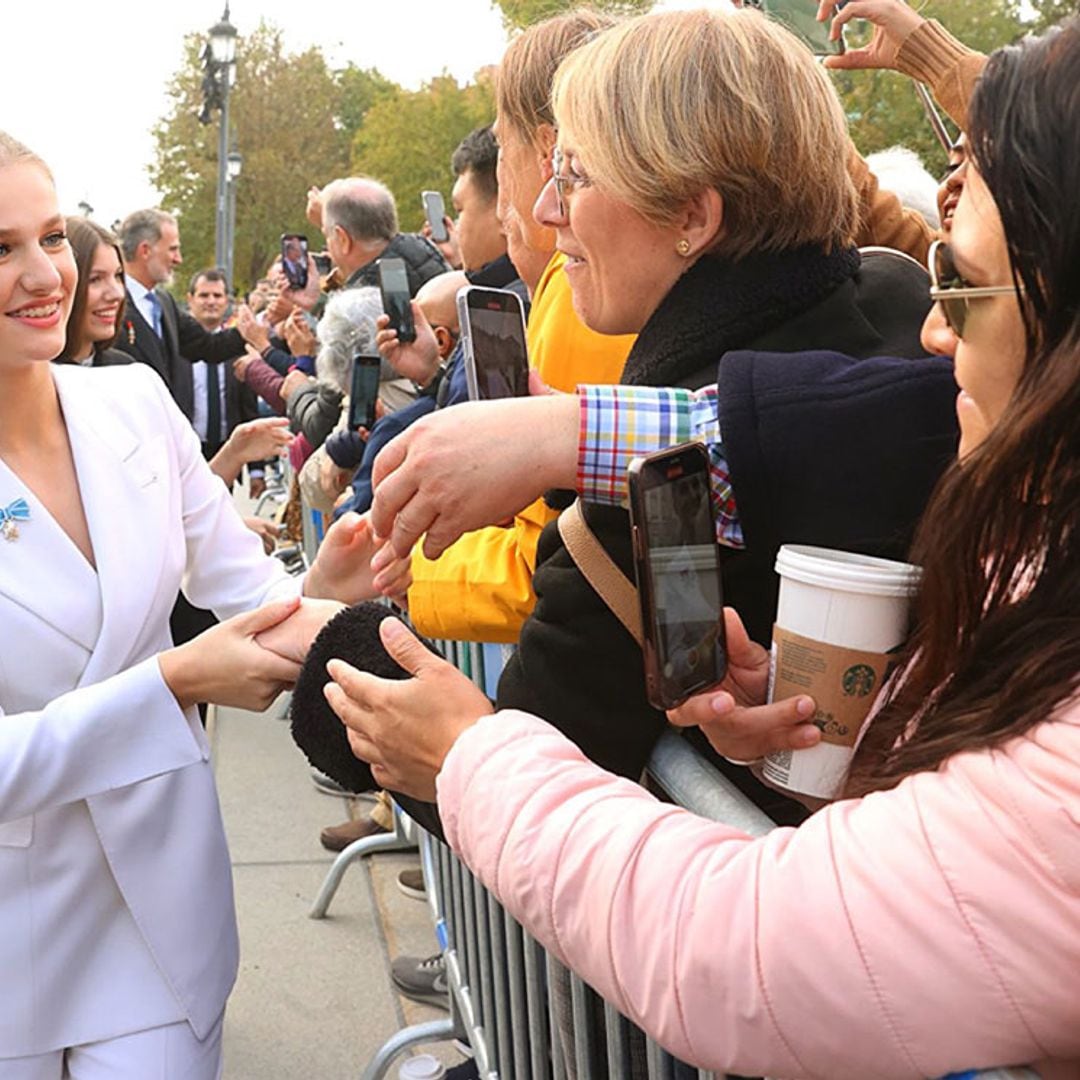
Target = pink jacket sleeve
(918,931)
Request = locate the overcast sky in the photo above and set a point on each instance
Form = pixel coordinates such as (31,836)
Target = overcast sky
(84,85)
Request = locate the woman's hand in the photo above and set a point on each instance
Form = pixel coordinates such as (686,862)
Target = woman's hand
(265,530)
(473,465)
(225,664)
(292,637)
(417,360)
(255,440)
(404,729)
(893,23)
(342,569)
(734,716)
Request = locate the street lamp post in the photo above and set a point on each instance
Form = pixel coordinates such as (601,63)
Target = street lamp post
(235,164)
(219,59)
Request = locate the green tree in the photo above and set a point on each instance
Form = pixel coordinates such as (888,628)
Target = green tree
(520,13)
(407,139)
(292,120)
(883,108)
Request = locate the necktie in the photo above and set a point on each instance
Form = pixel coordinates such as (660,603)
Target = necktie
(213,407)
(155,308)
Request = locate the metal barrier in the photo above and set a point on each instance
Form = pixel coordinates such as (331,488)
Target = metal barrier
(513,1002)
(526,1016)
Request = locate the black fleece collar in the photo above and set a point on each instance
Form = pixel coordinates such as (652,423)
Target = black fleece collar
(717,306)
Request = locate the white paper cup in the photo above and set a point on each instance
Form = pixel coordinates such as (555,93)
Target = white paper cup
(840,619)
(422,1067)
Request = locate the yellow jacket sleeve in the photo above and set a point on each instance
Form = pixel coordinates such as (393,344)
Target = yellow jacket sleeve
(480,588)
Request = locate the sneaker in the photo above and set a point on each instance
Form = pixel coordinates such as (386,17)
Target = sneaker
(411,883)
(422,980)
(339,837)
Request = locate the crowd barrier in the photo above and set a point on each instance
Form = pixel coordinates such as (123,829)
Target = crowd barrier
(515,1005)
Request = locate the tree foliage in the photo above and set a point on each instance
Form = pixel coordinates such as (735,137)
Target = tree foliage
(521,13)
(292,120)
(407,138)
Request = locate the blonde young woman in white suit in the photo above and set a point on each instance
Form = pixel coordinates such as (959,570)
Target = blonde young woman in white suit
(117,932)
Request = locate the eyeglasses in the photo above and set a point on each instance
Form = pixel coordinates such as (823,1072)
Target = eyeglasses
(952,292)
(564,182)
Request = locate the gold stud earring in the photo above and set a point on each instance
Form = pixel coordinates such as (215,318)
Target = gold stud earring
(683,247)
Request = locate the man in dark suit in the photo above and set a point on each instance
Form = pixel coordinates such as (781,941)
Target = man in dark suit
(154,330)
(221,400)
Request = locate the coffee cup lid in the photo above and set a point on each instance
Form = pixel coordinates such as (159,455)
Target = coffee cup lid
(846,571)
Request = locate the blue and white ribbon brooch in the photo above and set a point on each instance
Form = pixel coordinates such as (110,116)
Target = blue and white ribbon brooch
(10,516)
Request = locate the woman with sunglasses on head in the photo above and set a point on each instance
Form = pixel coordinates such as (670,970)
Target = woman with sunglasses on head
(929,920)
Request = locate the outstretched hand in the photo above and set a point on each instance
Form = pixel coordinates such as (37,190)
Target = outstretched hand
(405,728)
(893,22)
(225,665)
(734,716)
(343,571)
(473,465)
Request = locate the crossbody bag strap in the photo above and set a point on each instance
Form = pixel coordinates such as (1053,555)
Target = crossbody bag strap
(599,569)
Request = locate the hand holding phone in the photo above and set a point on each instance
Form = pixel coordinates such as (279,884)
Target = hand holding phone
(492,323)
(394,285)
(435,211)
(294,260)
(800,17)
(677,563)
(364,391)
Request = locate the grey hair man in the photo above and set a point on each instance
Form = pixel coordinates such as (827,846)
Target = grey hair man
(154,330)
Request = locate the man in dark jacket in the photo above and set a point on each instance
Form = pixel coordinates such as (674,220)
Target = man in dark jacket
(358,216)
(154,330)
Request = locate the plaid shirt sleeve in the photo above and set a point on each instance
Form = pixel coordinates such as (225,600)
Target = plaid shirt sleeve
(619,423)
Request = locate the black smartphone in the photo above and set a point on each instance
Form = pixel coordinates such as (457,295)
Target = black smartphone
(394,284)
(492,324)
(294,259)
(322,263)
(364,390)
(800,17)
(435,211)
(677,562)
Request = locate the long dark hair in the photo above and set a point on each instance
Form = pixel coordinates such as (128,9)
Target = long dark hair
(85,237)
(997,644)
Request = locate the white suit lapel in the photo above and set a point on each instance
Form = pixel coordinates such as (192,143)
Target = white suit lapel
(122,475)
(45,573)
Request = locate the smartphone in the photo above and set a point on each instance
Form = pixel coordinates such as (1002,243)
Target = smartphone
(364,390)
(435,210)
(492,324)
(322,263)
(294,259)
(677,563)
(394,284)
(800,17)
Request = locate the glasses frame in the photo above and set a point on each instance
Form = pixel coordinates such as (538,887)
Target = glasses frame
(946,295)
(562,182)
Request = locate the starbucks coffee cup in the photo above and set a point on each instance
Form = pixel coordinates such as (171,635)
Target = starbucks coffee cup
(840,620)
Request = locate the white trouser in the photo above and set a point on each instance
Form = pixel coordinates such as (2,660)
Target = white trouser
(163,1053)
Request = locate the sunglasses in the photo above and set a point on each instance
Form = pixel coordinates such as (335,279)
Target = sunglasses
(952,292)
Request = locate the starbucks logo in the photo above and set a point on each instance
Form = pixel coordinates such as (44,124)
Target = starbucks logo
(859,680)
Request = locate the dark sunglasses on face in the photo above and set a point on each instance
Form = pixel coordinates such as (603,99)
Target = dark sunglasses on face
(952,292)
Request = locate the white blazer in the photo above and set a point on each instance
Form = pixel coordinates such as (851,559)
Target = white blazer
(88,729)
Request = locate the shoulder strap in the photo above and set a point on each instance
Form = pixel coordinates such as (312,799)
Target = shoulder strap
(599,569)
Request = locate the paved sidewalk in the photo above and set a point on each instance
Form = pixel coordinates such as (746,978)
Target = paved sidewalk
(313,998)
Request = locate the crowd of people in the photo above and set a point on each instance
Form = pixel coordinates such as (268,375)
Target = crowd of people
(703,255)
